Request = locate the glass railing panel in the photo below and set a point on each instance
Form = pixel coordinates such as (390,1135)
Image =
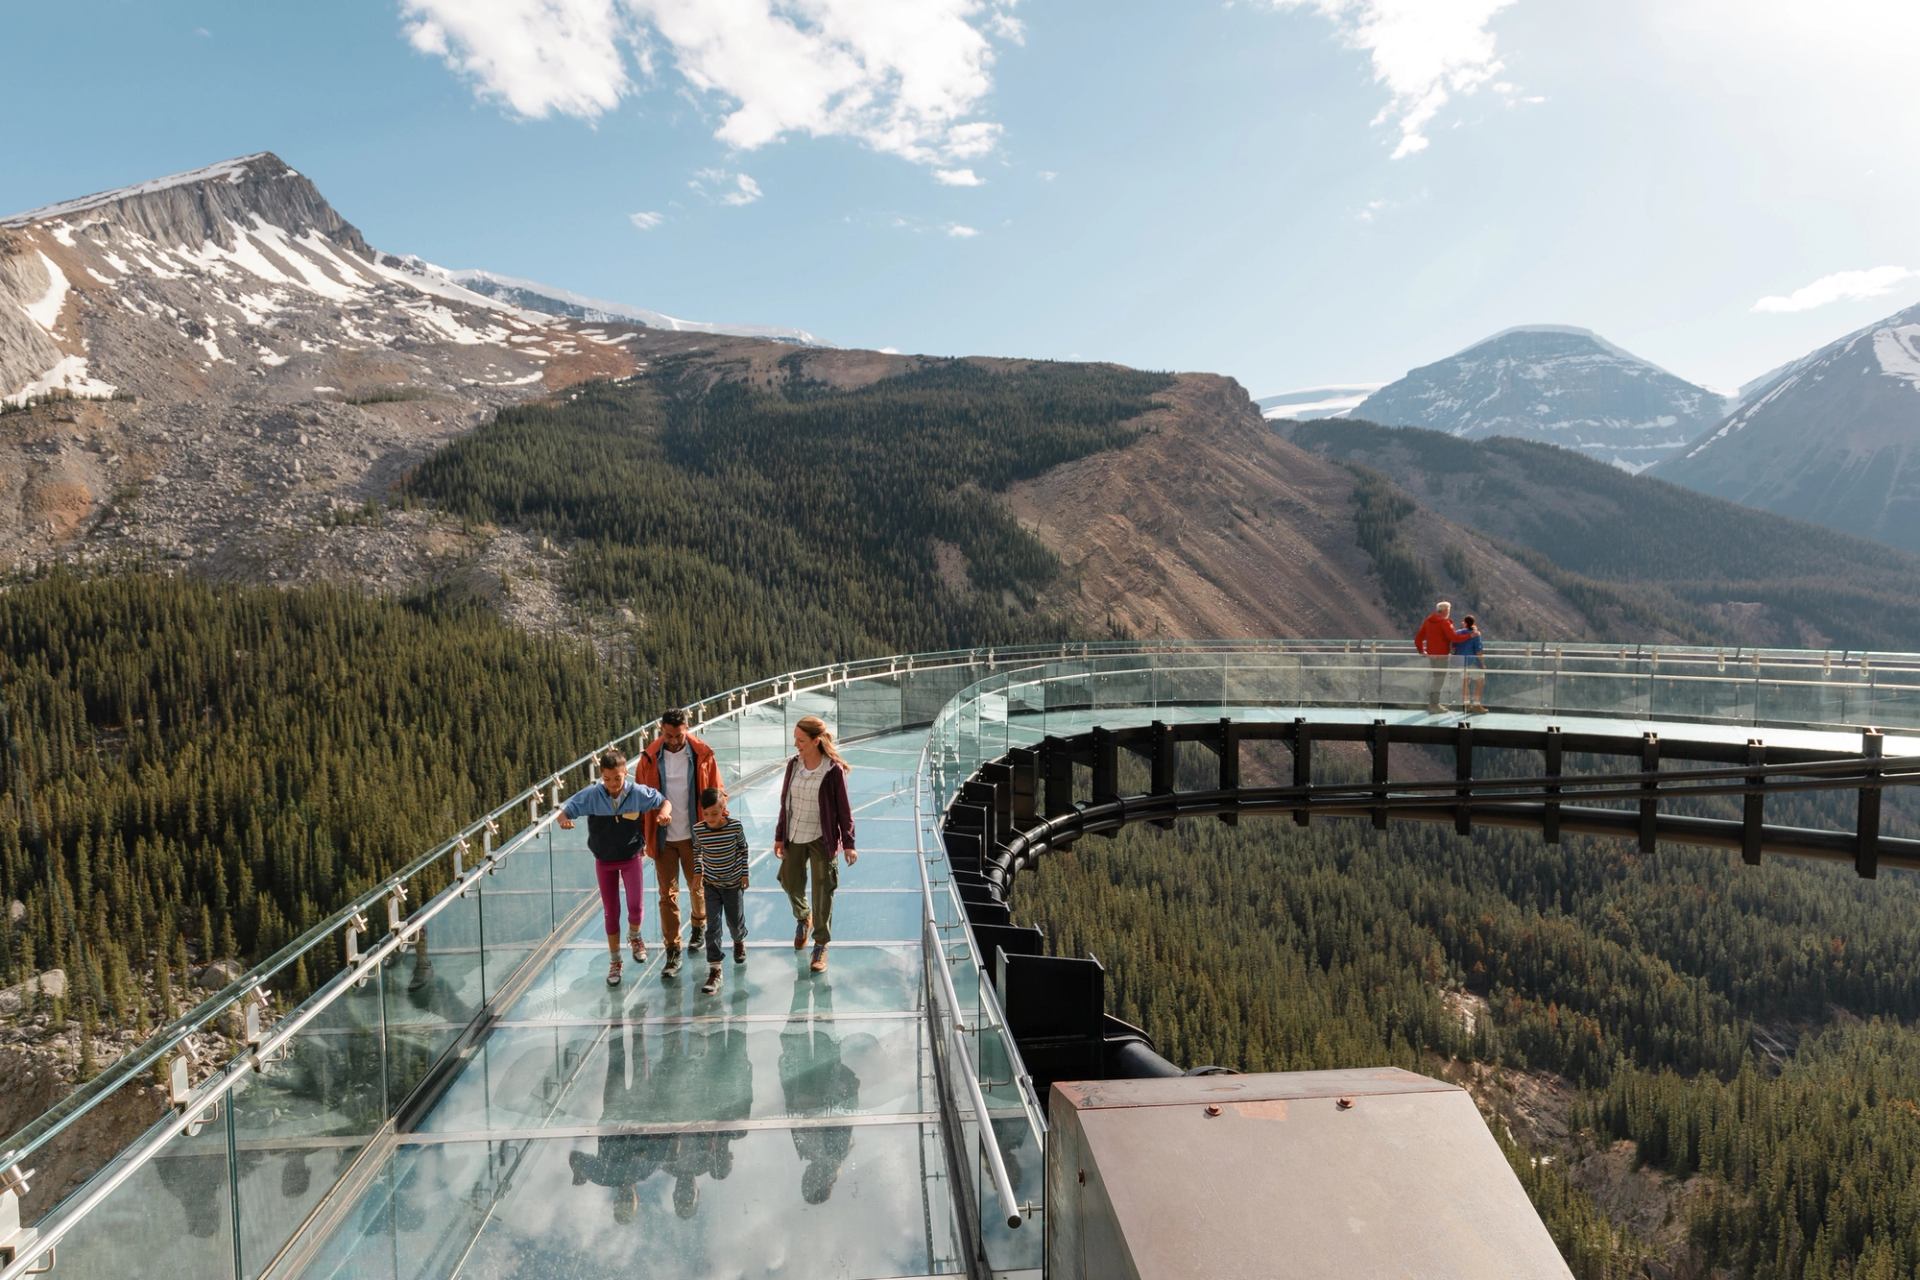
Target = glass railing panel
(175,1211)
(1797,695)
(1700,691)
(1603,686)
(1122,682)
(311,1109)
(1341,677)
(924,692)
(1893,700)
(1515,682)
(434,988)
(765,740)
(814,702)
(1066,691)
(991,705)
(1026,710)
(1183,682)
(519,903)
(869,708)
(723,735)
(1265,679)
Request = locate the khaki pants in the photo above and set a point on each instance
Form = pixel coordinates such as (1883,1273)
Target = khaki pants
(676,856)
(794,867)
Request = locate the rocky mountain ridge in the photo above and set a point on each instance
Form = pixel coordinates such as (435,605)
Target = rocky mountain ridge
(1833,438)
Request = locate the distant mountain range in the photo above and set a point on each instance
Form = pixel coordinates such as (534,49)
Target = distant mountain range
(1308,403)
(1833,438)
(1555,384)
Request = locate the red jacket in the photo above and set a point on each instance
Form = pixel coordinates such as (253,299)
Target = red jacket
(706,773)
(1435,637)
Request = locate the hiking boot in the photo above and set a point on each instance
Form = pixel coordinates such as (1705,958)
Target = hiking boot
(613,972)
(819,964)
(801,929)
(712,984)
(739,953)
(639,947)
(673,963)
(698,938)
(1480,708)
(1438,708)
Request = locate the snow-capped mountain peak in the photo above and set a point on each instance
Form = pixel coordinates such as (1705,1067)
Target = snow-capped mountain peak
(1559,384)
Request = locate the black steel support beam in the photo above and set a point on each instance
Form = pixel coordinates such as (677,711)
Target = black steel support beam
(1463,773)
(1754,805)
(1649,807)
(1379,744)
(1866,856)
(1550,818)
(1165,756)
(1302,764)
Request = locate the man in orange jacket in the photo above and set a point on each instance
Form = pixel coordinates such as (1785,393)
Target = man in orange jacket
(1435,640)
(679,766)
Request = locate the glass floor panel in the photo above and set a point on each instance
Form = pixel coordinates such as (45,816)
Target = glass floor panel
(863,979)
(833,1202)
(880,915)
(677,1073)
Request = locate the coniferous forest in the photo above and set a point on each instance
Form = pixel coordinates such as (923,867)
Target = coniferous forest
(191,772)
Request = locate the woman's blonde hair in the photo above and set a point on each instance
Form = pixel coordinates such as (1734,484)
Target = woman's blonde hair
(816,728)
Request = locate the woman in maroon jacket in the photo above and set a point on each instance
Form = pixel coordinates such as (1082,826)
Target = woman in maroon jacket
(815,826)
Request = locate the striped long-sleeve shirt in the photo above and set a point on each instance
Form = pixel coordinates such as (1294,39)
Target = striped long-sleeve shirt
(722,851)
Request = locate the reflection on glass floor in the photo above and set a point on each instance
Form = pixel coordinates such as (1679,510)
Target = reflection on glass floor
(788,1125)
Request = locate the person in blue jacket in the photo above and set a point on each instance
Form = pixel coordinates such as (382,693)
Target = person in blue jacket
(1468,646)
(613,808)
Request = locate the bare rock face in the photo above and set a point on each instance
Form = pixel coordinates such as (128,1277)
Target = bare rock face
(1212,524)
(201,370)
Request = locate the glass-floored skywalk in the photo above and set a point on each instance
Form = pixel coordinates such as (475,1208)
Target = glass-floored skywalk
(787,1126)
(466,1096)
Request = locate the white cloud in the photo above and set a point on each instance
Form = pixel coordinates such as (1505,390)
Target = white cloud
(902,78)
(1373,209)
(728,188)
(538,57)
(889,351)
(1424,52)
(1841,286)
(958,178)
(645,220)
(1048,175)
(961,232)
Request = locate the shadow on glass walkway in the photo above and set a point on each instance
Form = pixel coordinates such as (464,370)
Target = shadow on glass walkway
(437,1082)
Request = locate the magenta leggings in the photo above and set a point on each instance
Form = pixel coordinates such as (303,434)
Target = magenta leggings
(610,875)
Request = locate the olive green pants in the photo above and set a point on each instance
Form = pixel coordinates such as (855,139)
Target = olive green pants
(794,867)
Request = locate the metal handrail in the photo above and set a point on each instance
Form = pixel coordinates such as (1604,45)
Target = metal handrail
(932,952)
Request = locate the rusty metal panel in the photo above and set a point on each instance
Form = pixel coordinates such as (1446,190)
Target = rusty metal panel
(1313,1175)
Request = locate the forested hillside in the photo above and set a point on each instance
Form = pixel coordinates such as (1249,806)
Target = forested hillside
(756,530)
(1639,980)
(191,773)
(1741,575)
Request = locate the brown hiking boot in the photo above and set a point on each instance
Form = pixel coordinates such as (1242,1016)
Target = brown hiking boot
(739,953)
(801,929)
(712,984)
(819,964)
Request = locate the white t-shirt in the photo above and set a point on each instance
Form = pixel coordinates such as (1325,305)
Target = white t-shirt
(673,781)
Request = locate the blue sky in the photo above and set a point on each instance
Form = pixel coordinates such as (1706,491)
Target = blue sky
(1292,192)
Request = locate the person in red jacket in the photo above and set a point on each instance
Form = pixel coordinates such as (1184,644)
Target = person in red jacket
(1434,640)
(680,767)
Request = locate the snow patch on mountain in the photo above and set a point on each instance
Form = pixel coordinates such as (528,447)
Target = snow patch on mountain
(233,171)
(1898,351)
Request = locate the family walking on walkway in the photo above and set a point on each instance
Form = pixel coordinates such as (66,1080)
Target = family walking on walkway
(675,811)
(1441,642)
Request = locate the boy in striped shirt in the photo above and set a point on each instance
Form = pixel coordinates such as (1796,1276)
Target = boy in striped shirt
(720,842)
